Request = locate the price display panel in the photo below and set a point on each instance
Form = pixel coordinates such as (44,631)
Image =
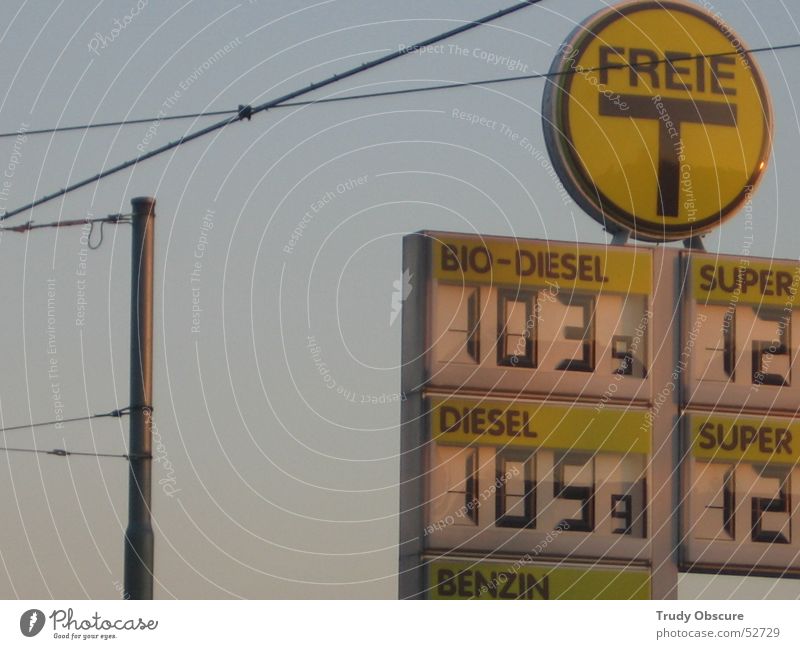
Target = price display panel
(739,344)
(537,317)
(523,477)
(741,486)
(526,579)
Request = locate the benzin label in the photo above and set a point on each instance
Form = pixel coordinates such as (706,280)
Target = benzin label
(471,580)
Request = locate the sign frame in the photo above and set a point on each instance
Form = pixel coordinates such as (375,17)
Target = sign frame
(713,395)
(520,380)
(740,559)
(563,545)
(659,552)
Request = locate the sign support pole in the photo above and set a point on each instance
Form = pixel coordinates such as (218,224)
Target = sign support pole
(139,535)
(620,237)
(665,497)
(694,243)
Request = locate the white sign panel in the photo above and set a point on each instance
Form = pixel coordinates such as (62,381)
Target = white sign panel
(526,477)
(538,317)
(527,430)
(738,337)
(741,477)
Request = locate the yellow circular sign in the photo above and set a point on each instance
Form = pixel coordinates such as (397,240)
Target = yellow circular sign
(657,119)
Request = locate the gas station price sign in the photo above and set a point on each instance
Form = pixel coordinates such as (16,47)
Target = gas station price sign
(740,320)
(741,477)
(532,367)
(527,429)
(536,317)
(511,476)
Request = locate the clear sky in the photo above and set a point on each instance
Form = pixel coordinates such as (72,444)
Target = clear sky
(268,483)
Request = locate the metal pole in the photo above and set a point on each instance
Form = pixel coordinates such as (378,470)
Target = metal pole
(665,328)
(139,535)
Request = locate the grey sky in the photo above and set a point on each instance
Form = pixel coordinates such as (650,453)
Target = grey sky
(269,484)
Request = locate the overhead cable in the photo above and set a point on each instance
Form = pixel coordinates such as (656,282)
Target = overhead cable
(246,112)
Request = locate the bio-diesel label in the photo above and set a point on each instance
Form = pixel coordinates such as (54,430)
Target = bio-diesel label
(532,425)
(759,440)
(730,280)
(517,262)
(465,580)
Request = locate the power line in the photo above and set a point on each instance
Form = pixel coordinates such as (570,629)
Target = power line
(122,122)
(32,225)
(246,112)
(113,413)
(535,75)
(60,452)
(115,219)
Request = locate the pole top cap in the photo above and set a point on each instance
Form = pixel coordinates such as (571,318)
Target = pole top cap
(143,204)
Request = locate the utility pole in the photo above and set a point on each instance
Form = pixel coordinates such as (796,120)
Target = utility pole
(139,535)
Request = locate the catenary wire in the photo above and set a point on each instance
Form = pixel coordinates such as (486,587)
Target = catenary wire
(113,413)
(115,219)
(122,122)
(243,110)
(246,112)
(535,75)
(60,452)
(32,225)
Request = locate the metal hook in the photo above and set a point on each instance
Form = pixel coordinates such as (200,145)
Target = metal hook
(91,230)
